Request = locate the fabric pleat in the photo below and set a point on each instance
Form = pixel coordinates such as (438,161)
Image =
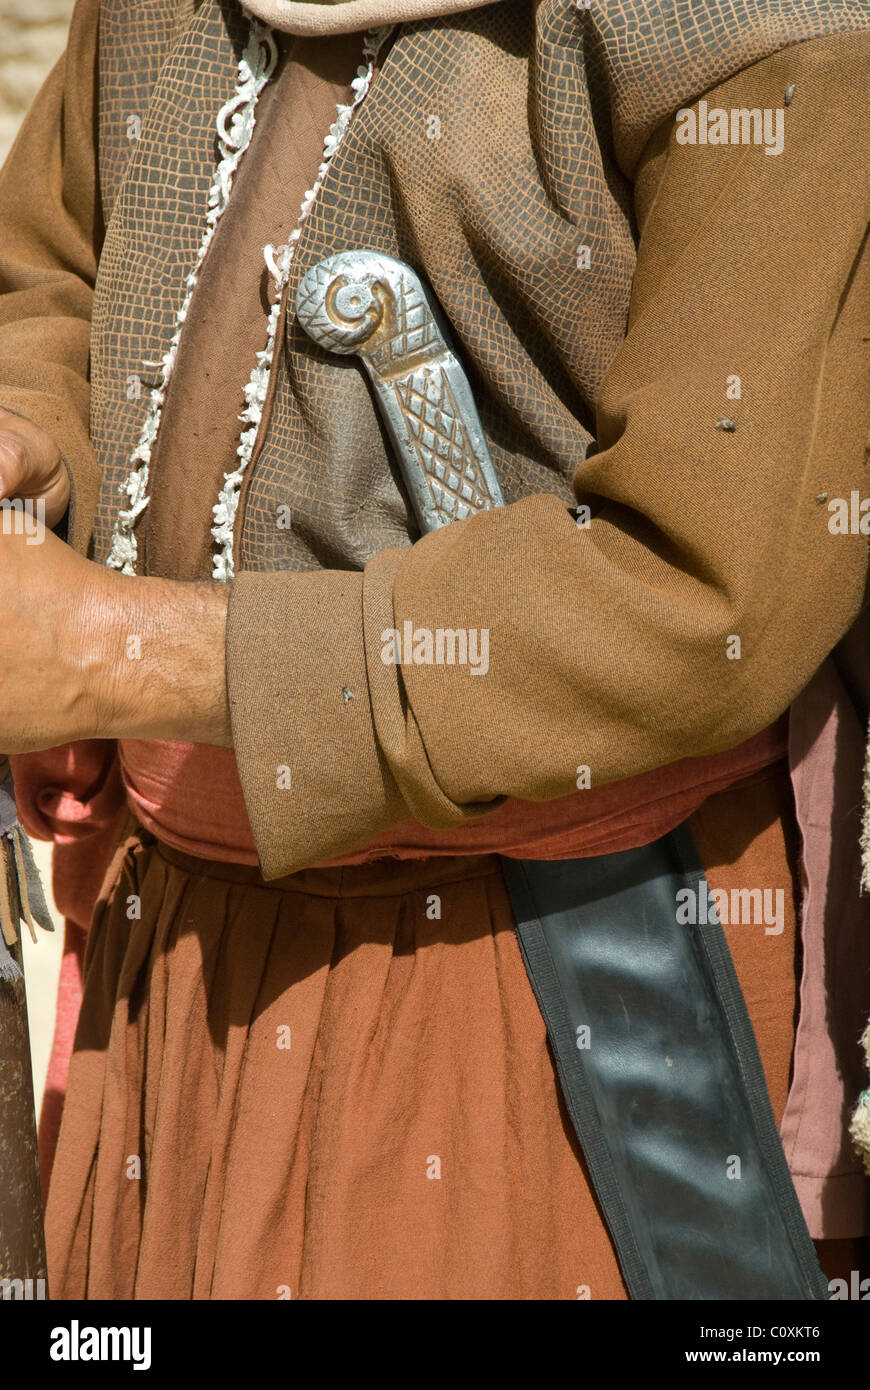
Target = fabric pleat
(339,1088)
(337,1085)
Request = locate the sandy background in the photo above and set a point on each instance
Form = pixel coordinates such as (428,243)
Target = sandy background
(32,38)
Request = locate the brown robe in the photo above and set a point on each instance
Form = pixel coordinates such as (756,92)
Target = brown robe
(614,639)
(313,1088)
(643,604)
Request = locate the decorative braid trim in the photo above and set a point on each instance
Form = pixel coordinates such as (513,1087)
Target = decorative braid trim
(235,126)
(865,821)
(860,1126)
(279,260)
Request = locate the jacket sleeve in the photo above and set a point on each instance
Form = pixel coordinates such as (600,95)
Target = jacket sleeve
(50,233)
(713,578)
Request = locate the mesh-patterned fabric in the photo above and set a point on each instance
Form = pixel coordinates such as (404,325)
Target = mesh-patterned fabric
(157,187)
(131,56)
(494,153)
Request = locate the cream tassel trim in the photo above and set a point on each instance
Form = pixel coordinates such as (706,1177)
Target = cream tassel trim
(235,126)
(279,261)
(865,823)
(860,1126)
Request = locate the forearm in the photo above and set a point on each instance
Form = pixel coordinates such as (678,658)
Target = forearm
(87,653)
(154,654)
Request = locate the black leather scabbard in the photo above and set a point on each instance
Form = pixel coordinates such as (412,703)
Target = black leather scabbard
(661,1076)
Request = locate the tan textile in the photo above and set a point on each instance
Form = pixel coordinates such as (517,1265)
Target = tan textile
(643,603)
(344,16)
(610,646)
(335,1094)
(225,326)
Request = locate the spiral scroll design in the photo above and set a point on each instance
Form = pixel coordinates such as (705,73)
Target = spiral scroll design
(341,301)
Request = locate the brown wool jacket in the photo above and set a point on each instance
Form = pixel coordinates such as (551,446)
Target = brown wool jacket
(610,646)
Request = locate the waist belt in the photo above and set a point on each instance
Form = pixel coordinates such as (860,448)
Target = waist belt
(653,1045)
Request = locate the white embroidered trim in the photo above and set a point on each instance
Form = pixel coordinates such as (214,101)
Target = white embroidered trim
(279,261)
(235,126)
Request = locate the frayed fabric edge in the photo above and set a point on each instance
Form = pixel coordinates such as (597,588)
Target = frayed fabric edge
(865,822)
(859,1129)
(279,261)
(235,127)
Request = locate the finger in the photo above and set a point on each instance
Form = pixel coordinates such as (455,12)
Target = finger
(56,497)
(15,465)
(31,467)
(29,457)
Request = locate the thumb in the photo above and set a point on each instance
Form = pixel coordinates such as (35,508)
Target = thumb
(31,466)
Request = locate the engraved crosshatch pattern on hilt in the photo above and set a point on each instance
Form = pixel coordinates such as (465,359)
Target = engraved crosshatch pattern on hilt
(368,304)
(443,448)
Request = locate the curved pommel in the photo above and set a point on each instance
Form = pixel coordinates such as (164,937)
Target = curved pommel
(346,301)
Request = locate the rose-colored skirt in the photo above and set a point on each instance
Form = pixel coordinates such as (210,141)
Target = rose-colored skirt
(338,1085)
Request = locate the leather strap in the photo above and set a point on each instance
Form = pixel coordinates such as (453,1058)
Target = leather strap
(662,1078)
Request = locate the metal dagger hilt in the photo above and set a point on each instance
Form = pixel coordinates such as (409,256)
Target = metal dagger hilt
(375,307)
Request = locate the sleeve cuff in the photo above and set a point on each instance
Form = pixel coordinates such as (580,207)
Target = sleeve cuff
(315,782)
(329,754)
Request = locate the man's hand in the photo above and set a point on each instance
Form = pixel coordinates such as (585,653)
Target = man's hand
(89,653)
(31,467)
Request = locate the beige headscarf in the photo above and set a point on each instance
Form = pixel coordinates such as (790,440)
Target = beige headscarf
(348,16)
